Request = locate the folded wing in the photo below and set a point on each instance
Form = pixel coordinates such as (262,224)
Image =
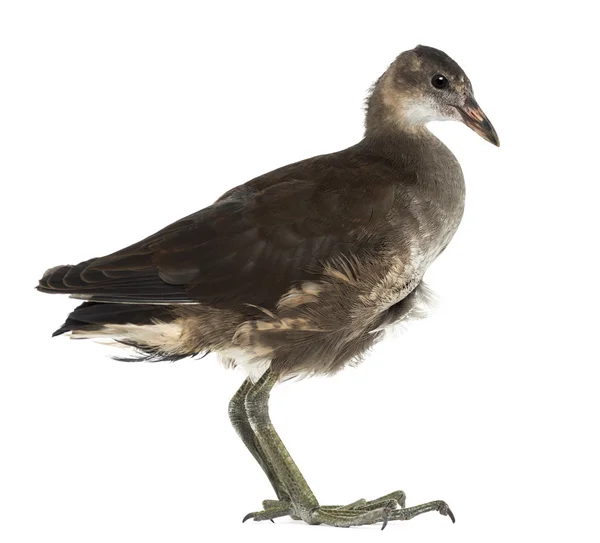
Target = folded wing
(248,247)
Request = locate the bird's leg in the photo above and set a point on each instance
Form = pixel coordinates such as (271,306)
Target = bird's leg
(239,420)
(303,502)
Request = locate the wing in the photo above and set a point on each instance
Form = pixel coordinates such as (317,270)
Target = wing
(251,245)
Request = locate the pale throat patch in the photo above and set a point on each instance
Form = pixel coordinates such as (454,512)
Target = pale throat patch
(419,113)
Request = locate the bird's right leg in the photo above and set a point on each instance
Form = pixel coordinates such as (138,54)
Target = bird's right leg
(239,420)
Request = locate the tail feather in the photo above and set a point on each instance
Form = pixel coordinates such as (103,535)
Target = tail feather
(91,316)
(142,285)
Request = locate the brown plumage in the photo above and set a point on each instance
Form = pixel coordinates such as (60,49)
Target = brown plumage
(300,268)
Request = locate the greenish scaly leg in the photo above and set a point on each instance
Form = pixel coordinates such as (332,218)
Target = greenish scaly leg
(239,420)
(303,502)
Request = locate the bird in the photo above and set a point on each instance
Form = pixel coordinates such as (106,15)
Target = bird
(298,272)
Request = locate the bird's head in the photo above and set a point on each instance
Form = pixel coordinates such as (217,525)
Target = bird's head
(422,85)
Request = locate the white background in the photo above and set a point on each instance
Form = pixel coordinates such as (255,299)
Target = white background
(118,118)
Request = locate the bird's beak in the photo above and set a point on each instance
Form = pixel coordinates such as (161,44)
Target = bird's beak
(477,121)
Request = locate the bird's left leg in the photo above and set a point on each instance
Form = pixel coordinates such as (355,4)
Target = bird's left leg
(301,499)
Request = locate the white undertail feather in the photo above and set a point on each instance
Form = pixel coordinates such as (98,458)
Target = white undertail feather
(168,339)
(165,337)
(253,366)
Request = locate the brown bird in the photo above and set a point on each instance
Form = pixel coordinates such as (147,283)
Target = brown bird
(299,271)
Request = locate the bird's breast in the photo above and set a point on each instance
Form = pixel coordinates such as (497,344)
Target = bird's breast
(428,211)
(436,202)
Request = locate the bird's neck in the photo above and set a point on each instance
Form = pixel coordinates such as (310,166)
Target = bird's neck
(395,114)
(396,130)
(402,145)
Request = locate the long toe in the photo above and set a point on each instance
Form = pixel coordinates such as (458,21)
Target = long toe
(411,512)
(350,517)
(282,510)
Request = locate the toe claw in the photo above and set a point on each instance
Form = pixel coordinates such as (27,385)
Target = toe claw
(451,515)
(248,516)
(385,515)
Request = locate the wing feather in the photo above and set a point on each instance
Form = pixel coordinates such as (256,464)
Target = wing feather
(250,246)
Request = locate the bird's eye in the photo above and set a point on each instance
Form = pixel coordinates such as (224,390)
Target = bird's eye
(439,81)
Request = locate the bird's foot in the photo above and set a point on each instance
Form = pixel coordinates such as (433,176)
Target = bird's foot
(361,512)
